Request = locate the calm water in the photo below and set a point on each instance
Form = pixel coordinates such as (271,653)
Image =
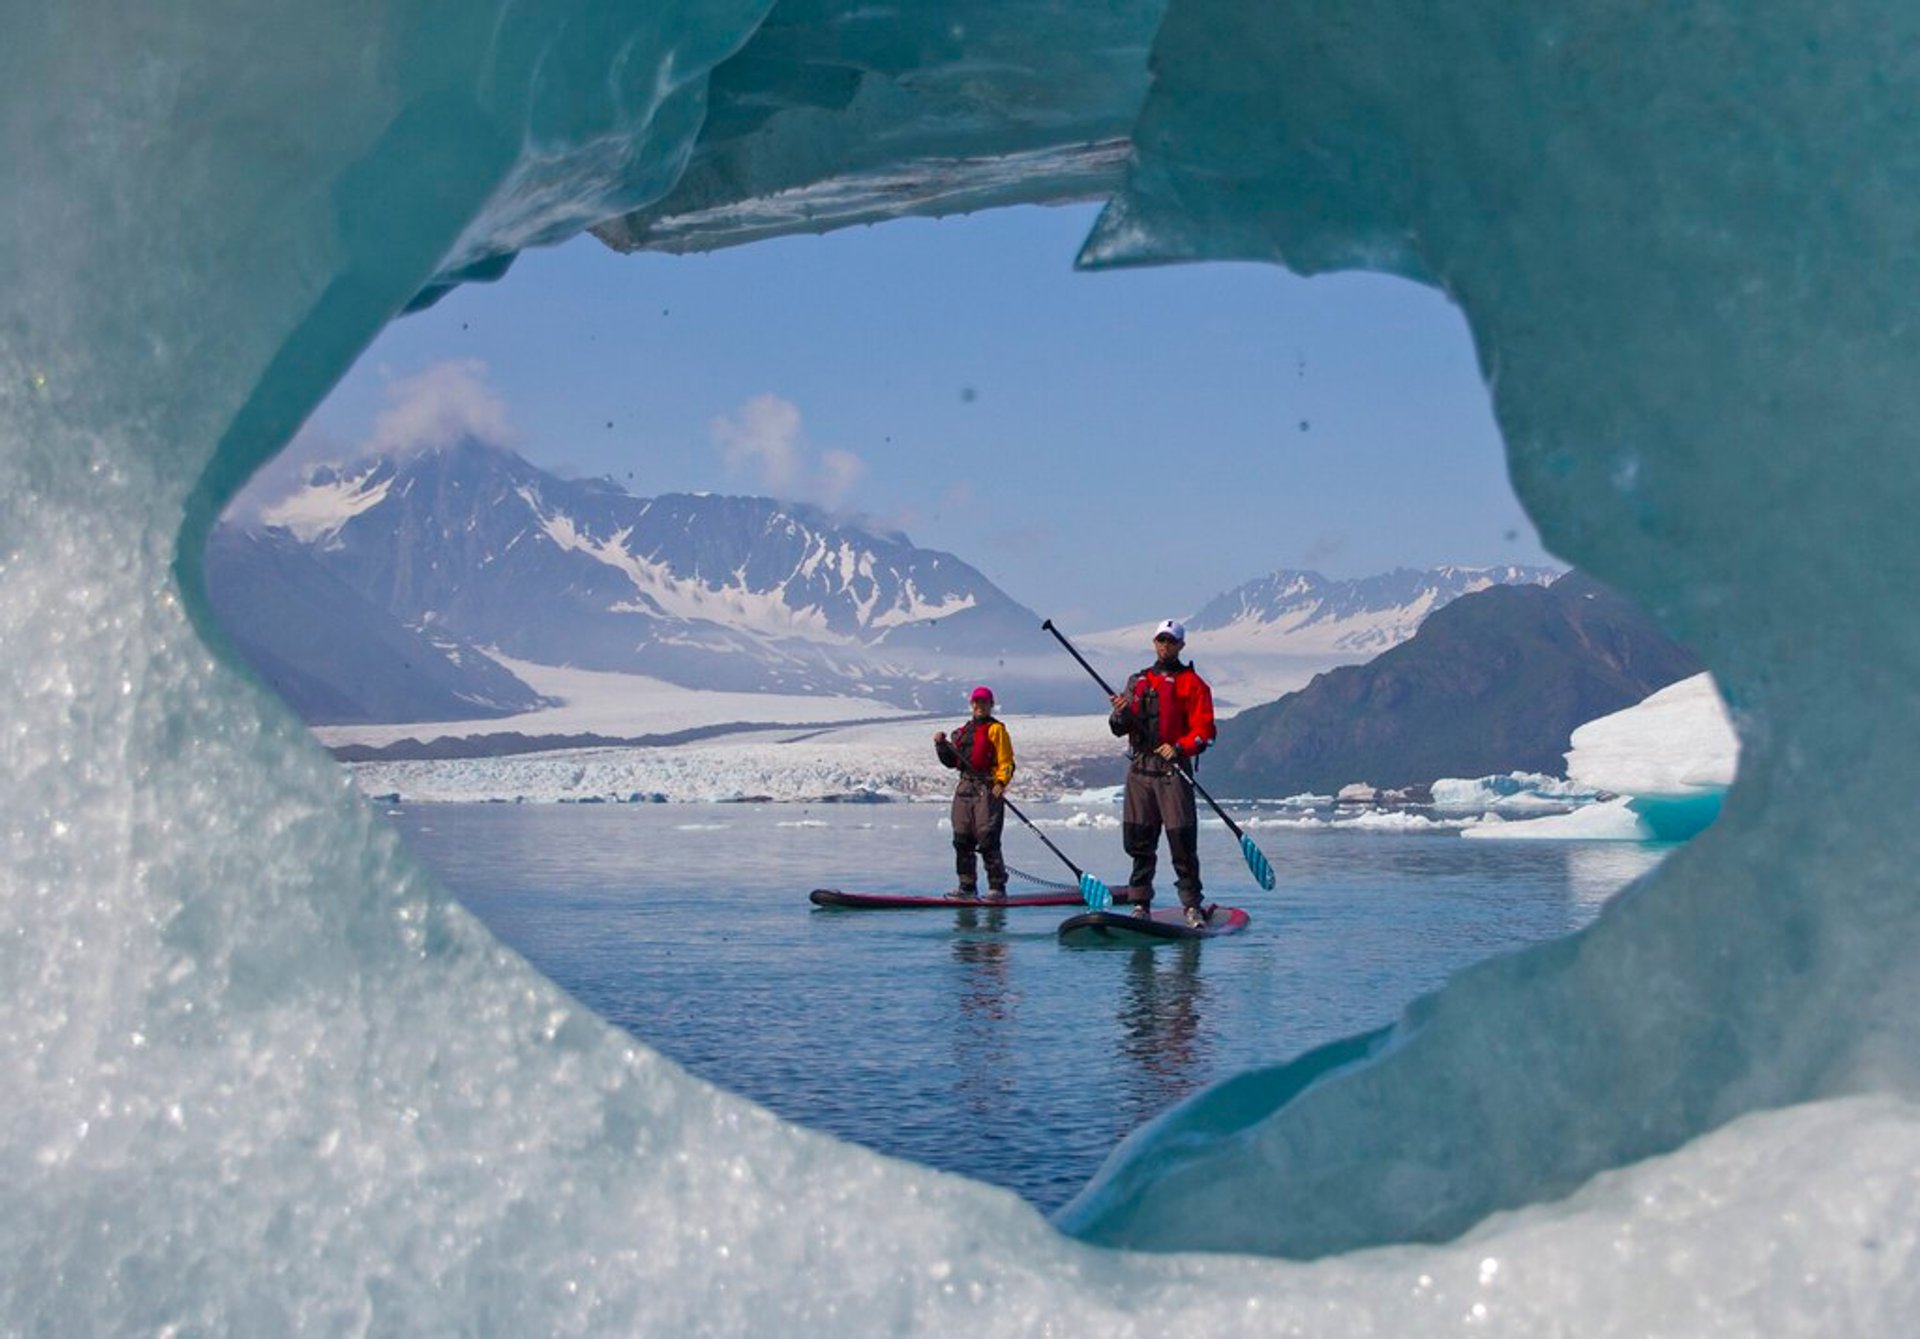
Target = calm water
(971,1040)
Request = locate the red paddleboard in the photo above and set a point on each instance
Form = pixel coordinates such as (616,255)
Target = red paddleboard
(833,897)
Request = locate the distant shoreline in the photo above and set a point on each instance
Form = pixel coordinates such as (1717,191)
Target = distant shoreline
(510,743)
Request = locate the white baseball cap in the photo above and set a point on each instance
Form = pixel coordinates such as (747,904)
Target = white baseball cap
(1171,628)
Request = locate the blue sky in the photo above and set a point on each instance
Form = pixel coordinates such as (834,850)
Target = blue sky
(1107,447)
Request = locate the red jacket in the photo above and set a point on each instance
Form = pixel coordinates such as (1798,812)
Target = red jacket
(1164,708)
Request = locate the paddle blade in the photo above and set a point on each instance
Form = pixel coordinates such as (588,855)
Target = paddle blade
(1095,893)
(1257,862)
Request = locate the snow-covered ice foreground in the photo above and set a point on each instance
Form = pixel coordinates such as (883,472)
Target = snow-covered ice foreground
(263,1077)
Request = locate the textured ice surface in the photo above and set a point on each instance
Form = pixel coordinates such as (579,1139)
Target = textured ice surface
(1674,234)
(833,113)
(263,1077)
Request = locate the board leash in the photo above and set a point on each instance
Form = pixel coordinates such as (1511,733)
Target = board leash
(1052,885)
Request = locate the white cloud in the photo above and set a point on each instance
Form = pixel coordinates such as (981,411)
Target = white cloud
(763,444)
(839,472)
(444,404)
(447,403)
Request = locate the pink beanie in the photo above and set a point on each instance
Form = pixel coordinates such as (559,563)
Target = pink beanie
(981,694)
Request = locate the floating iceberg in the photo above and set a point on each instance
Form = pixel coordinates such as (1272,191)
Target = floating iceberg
(1666,761)
(263,1076)
(1610,820)
(1674,756)
(1513,791)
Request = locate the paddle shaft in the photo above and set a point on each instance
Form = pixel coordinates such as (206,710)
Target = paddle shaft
(1078,873)
(1061,637)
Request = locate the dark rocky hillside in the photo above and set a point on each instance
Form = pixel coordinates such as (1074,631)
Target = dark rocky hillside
(1494,682)
(335,657)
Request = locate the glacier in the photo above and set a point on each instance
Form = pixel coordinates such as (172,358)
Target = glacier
(264,1076)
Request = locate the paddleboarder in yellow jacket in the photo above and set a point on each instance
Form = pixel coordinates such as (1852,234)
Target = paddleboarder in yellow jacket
(982,752)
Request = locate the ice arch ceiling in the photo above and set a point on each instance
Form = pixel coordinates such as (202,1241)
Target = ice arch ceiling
(264,1077)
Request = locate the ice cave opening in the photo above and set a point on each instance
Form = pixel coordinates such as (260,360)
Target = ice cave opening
(266,1078)
(1288,416)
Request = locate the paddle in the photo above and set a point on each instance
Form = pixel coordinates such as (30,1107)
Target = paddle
(1257,862)
(1092,891)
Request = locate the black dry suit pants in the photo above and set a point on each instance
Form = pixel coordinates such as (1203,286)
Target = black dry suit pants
(1156,798)
(977,821)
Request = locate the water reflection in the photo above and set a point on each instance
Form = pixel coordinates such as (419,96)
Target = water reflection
(983,1046)
(967,1037)
(1596,871)
(1160,1012)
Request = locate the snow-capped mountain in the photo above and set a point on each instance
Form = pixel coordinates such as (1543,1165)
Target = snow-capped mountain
(473,547)
(732,593)
(1271,635)
(1363,616)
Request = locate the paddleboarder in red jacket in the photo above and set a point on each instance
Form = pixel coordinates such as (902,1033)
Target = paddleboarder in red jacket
(1166,713)
(982,752)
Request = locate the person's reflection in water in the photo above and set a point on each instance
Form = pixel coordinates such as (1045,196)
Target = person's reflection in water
(983,1040)
(1160,1032)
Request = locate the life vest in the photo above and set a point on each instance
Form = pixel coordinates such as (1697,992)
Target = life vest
(975,747)
(1172,709)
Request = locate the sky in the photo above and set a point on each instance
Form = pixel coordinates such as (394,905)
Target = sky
(1108,447)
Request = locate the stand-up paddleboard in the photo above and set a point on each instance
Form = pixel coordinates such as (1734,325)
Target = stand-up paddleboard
(833,897)
(1095,928)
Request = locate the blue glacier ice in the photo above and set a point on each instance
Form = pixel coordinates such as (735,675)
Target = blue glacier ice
(264,1076)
